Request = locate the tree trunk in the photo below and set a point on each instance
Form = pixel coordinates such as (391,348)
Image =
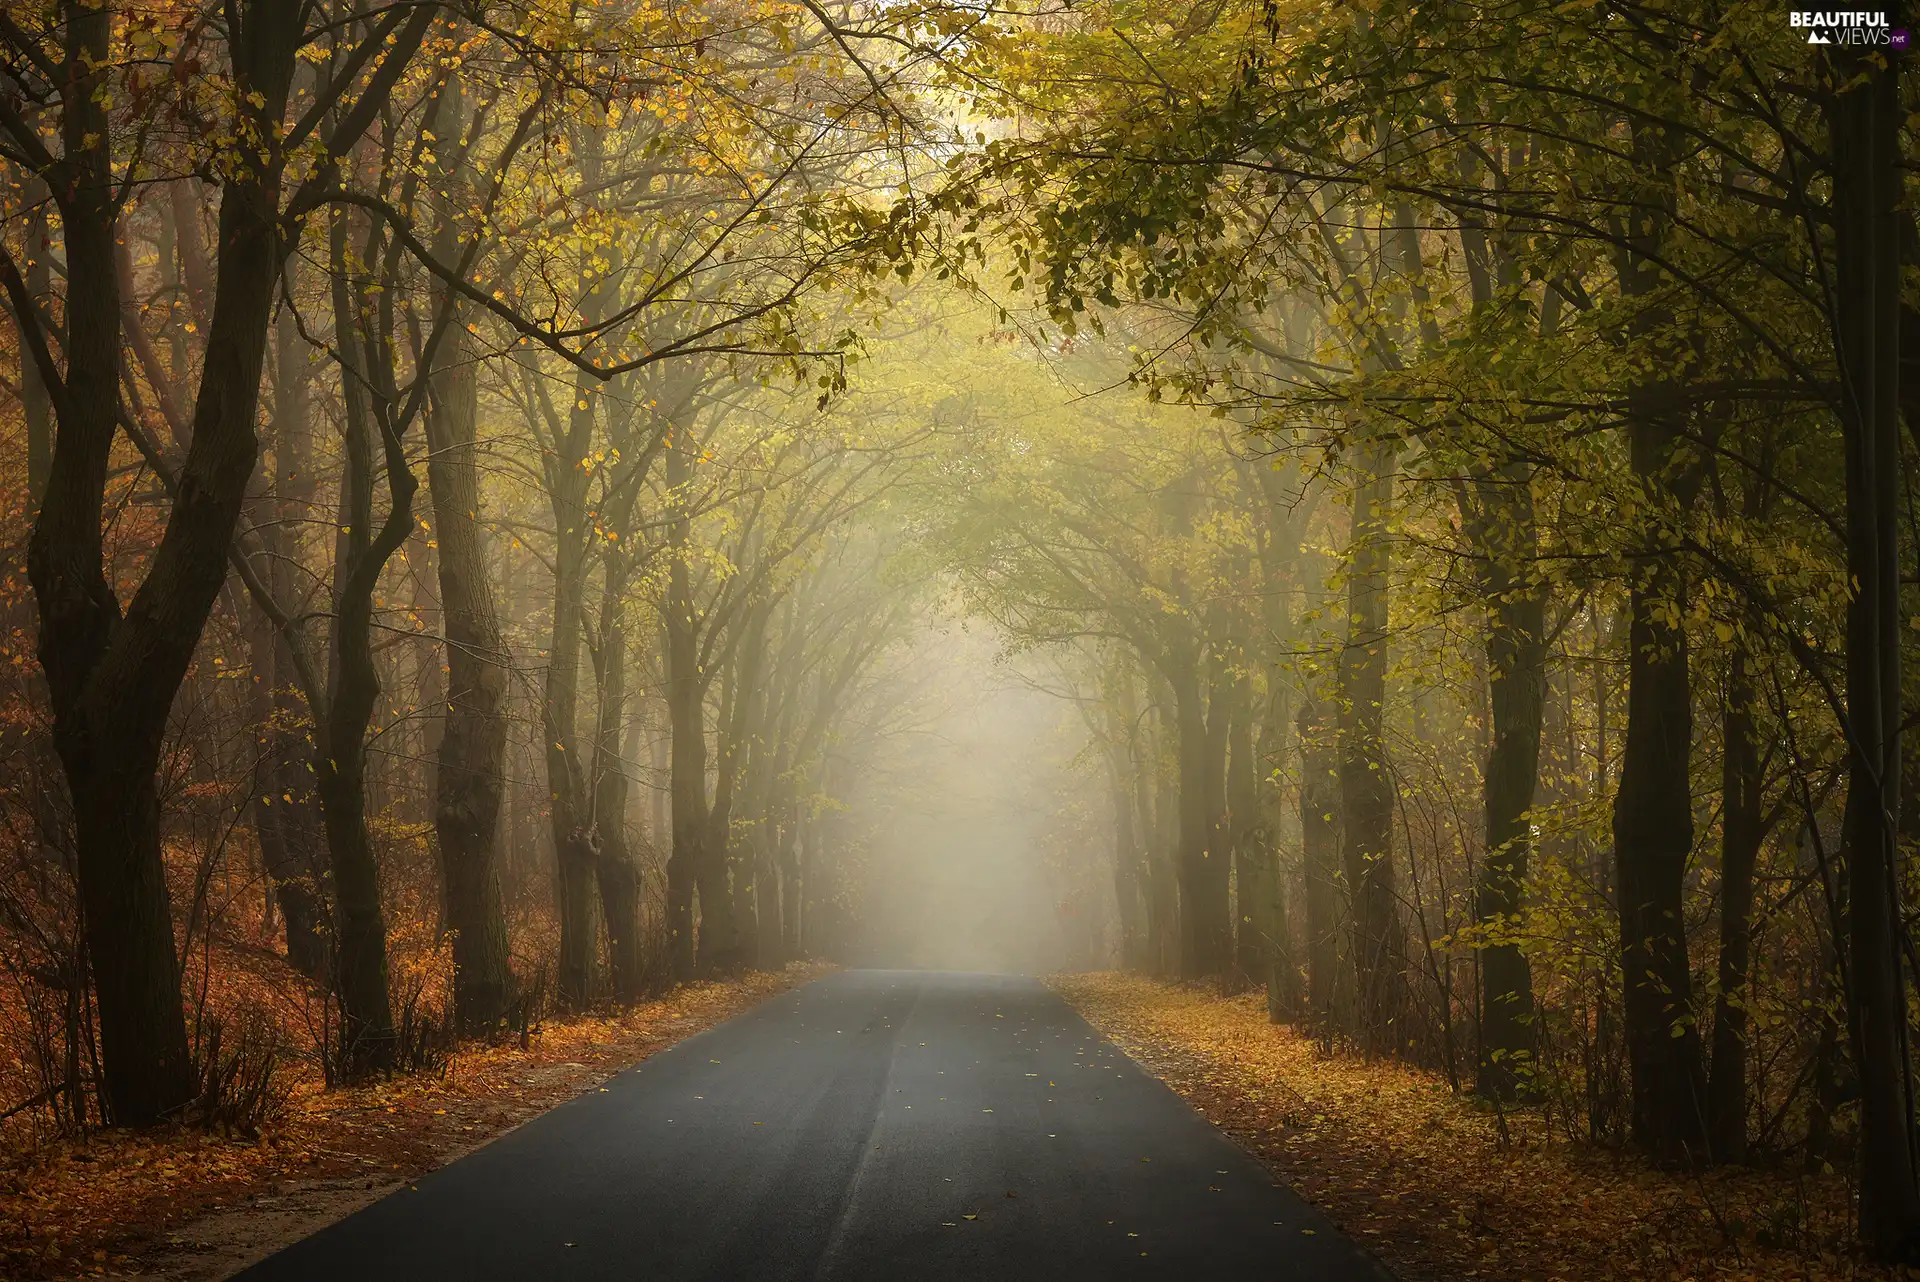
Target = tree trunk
(1206,925)
(686,712)
(777,831)
(743,734)
(792,888)
(1163,876)
(35,404)
(1320,859)
(1366,783)
(1653,838)
(720,934)
(278,818)
(571,815)
(1864,122)
(1653,806)
(1126,861)
(1741,832)
(1516,681)
(1253,924)
(340,766)
(470,762)
(1283,963)
(111,678)
(617,877)
(287,826)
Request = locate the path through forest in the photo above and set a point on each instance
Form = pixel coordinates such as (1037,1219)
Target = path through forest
(874,1124)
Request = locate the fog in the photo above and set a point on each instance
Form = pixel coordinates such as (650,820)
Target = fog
(975,850)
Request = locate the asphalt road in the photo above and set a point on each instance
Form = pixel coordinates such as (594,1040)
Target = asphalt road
(897,1125)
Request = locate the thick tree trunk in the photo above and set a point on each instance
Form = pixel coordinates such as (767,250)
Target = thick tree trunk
(469,766)
(279,818)
(1282,976)
(285,819)
(1131,829)
(1320,859)
(1864,123)
(360,955)
(112,679)
(1163,875)
(724,939)
(1653,838)
(571,811)
(792,887)
(745,699)
(776,852)
(569,472)
(1653,806)
(1252,874)
(1206,925)
(719,938)
(340,767)
(1127,862)
(1366,783)
(686,700)
(617,878)
(1516,681)
(108,756)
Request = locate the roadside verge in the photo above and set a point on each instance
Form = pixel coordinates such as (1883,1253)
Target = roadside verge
(186,1206)
(1421,1177)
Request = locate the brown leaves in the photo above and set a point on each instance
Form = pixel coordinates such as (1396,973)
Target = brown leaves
(113,1198)
(1422,1179)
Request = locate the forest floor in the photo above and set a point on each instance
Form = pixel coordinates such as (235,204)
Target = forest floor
(1421,1177)
(185,1206)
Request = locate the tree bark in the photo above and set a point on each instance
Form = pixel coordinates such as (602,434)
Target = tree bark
(35,403)
(720,935)
(1206,925)
(112,678)
(361,978)
(1320,859)
(280,823)
(568,794)
(742,728)
(686,712)
(1366,783)
(1653,806)
(469,764)
(285,821)
(616,877)
(1864,122)
(1503,523)
(1283,963)
(1741,832)
(1653,839)
(1253,924)
(1162,786)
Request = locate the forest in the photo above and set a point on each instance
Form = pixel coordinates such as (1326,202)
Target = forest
(502,497)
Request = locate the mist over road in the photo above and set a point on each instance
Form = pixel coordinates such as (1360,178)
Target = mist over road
(902,1125)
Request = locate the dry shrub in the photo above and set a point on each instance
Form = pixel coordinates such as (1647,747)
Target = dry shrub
(242,1085)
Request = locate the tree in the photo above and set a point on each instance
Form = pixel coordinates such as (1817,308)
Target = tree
(112,671)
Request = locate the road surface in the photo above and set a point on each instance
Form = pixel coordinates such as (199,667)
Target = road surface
(897,1126)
